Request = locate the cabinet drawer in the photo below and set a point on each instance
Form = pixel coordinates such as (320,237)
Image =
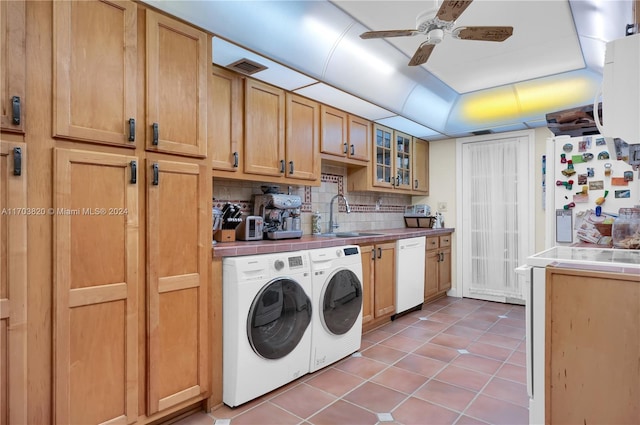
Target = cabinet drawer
(433,242)
(445,241)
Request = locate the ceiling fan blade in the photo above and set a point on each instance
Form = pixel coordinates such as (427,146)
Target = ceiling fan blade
(450,10)
(422,54)
(482,33)
(388,33)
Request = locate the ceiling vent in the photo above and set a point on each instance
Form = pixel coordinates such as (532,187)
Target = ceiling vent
(246,66)
(481,132)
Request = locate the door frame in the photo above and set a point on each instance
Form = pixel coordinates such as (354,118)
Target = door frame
(460,224)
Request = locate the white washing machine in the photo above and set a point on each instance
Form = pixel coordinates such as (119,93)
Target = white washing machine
(337,304)
(267,312)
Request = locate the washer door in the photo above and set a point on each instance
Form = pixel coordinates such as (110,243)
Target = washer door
(341,302)
(278,318)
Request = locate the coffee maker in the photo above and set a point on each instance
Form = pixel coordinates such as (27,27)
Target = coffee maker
(280,213)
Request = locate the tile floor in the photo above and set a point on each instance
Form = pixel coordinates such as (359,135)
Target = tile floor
(457,361)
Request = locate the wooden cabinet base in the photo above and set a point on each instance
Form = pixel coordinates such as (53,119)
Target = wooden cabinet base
(592,346)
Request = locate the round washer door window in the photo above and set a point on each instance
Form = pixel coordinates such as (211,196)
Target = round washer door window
(341,302)
(278,318)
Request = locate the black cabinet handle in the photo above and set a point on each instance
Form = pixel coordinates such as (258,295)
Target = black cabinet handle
(134,172)
(132,129)
(379,252)
(17,161)
(415,182)
(156,135)
(236,160)
(346,146)
(353,150)
(282,166)
(156,176)
(290,167)
(397,180)
(15,106)
(373,254)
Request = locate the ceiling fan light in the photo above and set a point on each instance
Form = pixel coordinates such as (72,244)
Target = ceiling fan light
(436,36)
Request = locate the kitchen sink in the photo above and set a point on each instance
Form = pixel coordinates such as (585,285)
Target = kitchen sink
(349,234)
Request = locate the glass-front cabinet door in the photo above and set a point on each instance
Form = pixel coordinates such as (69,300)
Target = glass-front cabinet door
(403,160)
(384,175)
(393,161)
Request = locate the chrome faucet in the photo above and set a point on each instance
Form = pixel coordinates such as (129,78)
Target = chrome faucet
(332,225)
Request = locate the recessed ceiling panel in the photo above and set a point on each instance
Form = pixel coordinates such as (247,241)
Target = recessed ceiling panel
(225,53)
(409,127)
(331,96)
(544,40)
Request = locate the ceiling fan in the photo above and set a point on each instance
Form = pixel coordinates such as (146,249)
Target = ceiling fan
(433,23)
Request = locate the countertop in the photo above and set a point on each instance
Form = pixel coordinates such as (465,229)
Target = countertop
(232,249)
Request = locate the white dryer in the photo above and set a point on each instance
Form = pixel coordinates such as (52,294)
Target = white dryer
(266,323)
(337,304)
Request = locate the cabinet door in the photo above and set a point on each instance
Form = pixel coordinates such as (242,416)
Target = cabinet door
(403,161)
(13,285)
(432,261)
(444,270)
(178,240)
(95,286)
(359,138)
(383,155)
(177,70)
(264,112)
(303,130)
(12,65)
(224,119)
(94,71)
(421,167)
(334,124)
(368,257)
(385,279)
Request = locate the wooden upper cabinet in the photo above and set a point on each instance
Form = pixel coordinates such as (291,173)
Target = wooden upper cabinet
(94,71)
(359,132)
(344,135)
(421,167)
(177,72)
(178,256)
(224,120)
(13,284)
(302,136)
(95,281)
(12,65)
(334,131)
(264,138)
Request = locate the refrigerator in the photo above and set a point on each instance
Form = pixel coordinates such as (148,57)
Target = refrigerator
(584,186)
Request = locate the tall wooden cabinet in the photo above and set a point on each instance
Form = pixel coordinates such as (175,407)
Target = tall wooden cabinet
(177,72)
(13,283)
(12,65)
(379,283)
(130,280)
(95,279)
(94,71)
(178,250)
(437,277)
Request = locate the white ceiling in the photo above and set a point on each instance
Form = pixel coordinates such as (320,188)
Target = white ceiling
(544,40)
(313,47)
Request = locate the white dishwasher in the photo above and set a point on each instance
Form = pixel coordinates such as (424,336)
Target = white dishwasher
(410,256)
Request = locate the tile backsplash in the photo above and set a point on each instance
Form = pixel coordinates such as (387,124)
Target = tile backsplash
(369,210)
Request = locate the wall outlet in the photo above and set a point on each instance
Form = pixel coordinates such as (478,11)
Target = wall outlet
(442,206)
